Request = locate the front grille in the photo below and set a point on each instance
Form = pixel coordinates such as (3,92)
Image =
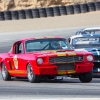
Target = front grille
(66,66)
(97,57)
(65,59)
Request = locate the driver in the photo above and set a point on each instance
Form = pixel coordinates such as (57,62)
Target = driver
(56,45)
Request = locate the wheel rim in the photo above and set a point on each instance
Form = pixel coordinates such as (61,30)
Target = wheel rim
(4,71)
(30,73)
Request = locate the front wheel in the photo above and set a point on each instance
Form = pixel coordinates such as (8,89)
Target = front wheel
(31,76)
(86,77)
(4,73)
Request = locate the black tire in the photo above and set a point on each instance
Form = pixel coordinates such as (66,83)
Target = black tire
(42,12)
(76,8)
(35,13)
(86,77)
(49,12)
(62,10)
(7,15)
(31,76)
(2,16)
(21,14)
(56,11)
(91,6)
(5,73)
(69,9)
(28,13)
(97,5)
(14,15)
(83,8)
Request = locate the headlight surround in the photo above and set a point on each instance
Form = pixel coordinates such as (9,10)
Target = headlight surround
(90,58)
(39,61)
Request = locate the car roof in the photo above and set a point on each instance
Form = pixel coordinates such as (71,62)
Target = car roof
(89,29)
(43,37)
(85,35)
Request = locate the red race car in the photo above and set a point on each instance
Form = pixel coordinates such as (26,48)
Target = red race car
(38,58)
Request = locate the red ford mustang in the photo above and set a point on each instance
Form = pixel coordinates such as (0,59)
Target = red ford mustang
(36,58)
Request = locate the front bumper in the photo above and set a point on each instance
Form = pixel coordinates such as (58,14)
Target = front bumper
(53,70)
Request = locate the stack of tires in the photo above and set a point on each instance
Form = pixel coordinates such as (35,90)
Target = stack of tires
(14,15)
(69,9)
(91,6)
(76,8)
(7,15)
(49,12)
(2,16)
(62,10)
(97,5)
(21,14)
(83,8)
(42,12)
(35,13)
(28,13)
(56,11)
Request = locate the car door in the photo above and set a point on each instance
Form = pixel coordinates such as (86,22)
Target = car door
(17,59)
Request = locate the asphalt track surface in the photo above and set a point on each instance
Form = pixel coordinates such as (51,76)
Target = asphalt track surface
(21,88)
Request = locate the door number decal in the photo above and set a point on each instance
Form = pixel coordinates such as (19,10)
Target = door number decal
(15,61)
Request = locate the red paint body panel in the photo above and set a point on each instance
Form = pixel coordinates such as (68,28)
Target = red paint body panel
(17,63)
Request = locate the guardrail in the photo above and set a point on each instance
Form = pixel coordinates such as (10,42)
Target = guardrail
(50,11)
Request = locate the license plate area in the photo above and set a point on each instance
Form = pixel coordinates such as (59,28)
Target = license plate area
(70,66)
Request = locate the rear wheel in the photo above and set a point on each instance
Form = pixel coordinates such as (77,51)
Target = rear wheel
(4,73)
(86,77)
(31,76)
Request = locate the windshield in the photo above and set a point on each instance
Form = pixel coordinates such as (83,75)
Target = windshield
(86,42)
(91,32)
(47,44)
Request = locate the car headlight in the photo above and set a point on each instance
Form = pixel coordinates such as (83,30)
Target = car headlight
(90,58)
(39,61)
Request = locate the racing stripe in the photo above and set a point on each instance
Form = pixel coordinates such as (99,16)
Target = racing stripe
(71,71)
(71,54)
(64,72)
(17,72)
(61,54)
(61,72)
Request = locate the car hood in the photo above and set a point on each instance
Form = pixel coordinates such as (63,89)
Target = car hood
(53,53)
(95,51)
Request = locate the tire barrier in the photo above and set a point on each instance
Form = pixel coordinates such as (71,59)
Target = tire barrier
(14,15)
(28,13)
(35,13)
(77,9)
(62,10)
(7,15)
(97,5)
(42,12)
(50,11)
(83,8)
(91,6)
(21,14)
(56,11)
(69,9)
(2,16)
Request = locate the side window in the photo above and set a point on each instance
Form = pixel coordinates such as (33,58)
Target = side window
(18,48)
(69,40)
